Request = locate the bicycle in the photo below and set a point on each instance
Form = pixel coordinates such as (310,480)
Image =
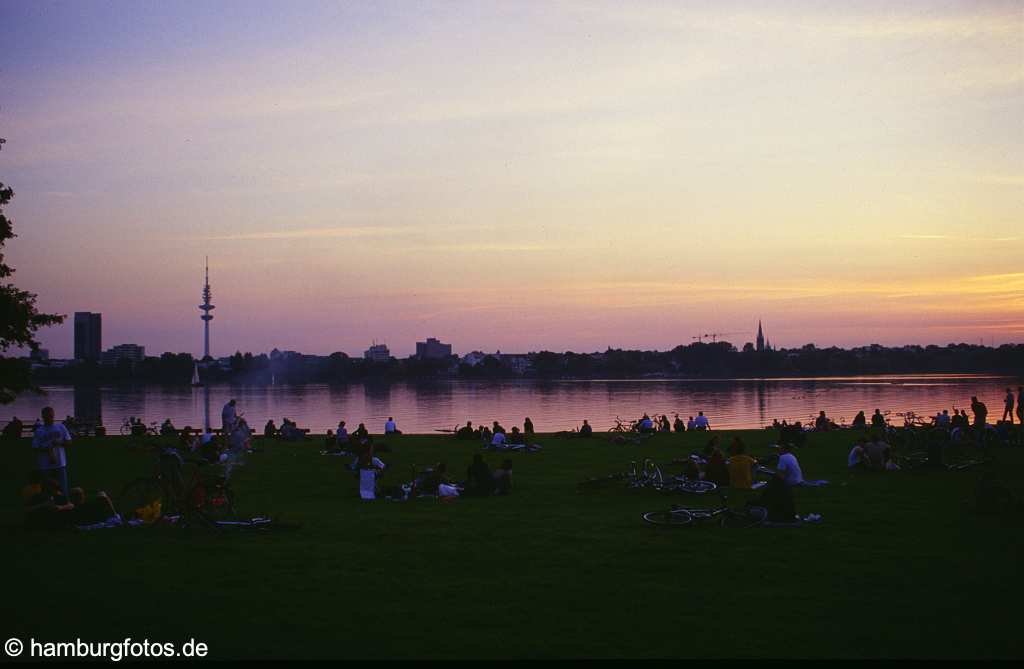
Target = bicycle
(648,475)
(138,428)
(192,499)
(678,516)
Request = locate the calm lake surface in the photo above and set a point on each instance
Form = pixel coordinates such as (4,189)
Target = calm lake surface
(552,405)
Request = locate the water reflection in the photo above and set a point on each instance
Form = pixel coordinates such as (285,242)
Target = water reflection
(554,405)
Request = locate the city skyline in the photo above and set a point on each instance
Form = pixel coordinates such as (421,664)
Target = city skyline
(518,177)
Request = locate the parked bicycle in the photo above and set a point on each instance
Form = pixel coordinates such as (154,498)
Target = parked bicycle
(722,515)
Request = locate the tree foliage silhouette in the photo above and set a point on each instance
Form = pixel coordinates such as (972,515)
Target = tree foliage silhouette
(19,317)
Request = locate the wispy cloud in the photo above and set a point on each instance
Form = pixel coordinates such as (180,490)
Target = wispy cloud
(308,233)
(958,238)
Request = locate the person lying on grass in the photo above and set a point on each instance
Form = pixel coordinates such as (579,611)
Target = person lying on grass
(88,511)
(48,509)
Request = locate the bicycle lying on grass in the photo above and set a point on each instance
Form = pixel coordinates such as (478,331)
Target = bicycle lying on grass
(647,475)
(722,515)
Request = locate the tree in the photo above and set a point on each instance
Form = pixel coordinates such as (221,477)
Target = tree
(19,318)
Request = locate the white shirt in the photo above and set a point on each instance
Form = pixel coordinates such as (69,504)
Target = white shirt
(498,439)
(857,455)
(44,438)
(389,427)
(700,421)
(790,469)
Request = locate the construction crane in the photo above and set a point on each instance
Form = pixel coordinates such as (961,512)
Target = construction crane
(713,336)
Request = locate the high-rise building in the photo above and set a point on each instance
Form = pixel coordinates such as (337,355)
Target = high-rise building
(377,353)
(88,336)
(432,349)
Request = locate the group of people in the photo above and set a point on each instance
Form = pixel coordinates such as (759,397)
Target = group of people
(648,425)
(496,436)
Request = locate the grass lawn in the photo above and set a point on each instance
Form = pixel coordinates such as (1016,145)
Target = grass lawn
(899,567)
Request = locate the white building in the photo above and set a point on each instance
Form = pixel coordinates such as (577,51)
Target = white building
(377,353)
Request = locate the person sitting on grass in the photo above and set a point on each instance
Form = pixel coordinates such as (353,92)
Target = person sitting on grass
(645,425)
(691,424)
(778,501)
(270,430)
(496,428)
(711,446)
(822,423)
(361,432)
(678,424)
(527,426)
(586,430)
(691,470)
(665,425)
(878,453)
(498,440)
(503,478)
(485,434)
(479,479)
(517,438)
(858,457)
(741,466)
(789,468)
(877,419)
(341,440)
(13,429)
(860,421)
(166,428)
(465,432)
(390,427)
(366,459)
(716,470)
(701,422)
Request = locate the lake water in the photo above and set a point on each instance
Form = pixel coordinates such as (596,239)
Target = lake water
(552,405)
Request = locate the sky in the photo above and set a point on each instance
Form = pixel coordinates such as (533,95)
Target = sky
(517,176)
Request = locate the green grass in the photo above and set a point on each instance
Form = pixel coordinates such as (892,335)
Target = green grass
(899,567)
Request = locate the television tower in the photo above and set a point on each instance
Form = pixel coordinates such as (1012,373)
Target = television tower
(206,308)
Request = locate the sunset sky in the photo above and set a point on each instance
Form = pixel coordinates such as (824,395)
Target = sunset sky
(517,175)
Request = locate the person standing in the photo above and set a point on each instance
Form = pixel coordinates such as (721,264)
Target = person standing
(528,427)
(228,417)
(48,442)
(1020,404)
(980,412)
(1008,408)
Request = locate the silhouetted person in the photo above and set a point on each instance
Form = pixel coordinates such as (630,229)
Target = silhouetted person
(679,424)
(860,421)
(1008,406)
(527,426)
(228,416)
(13,429)
(586,430)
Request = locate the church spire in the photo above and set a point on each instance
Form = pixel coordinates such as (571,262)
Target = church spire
(760,337)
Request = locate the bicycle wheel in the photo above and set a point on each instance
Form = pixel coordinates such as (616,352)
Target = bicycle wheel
(142,499)
(750,517)
(126,429)
(672,518)
(695,487)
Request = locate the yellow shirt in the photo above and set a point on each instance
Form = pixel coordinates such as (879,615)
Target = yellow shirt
(741,471)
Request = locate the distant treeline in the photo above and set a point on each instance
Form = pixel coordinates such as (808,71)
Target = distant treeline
(720,359)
